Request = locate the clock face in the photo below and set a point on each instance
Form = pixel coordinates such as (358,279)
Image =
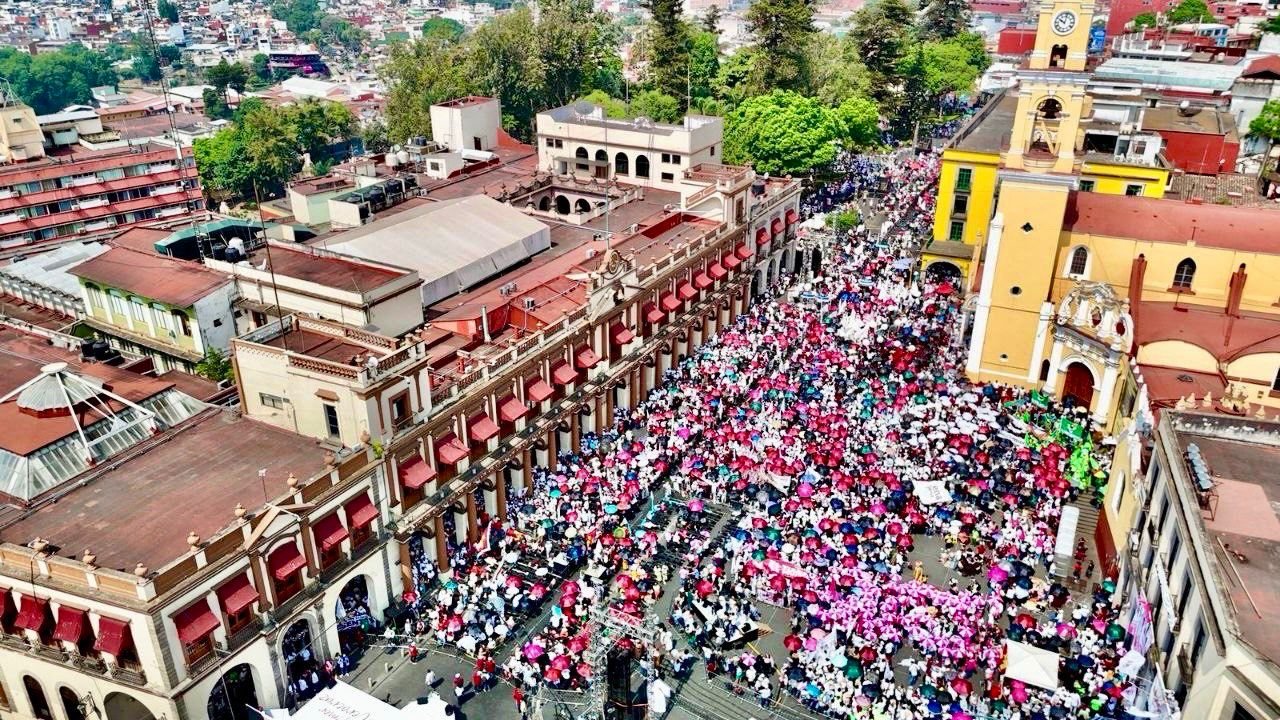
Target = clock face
(1064,22)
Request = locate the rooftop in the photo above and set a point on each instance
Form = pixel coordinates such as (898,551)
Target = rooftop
(595,116)
(179,283)
(1208,328)
(1172,221)
(988,130)
(126,514)
(325,268)
(1195,120)
(1243,457)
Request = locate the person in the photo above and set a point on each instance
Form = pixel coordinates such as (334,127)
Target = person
(458,683)
(517,696)
(430,679)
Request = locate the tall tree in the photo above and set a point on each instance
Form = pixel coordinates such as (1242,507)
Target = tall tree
(167,10)
(785,132)
(837,71)
(442,28)
(915,101)
(418,75)
(669,41)
(48,82)
(945,19)
(572,39)
(227,75)
(501,61)
(656,106)
(704,63)
(711,18)
(880,33)
(783,31)
(1189,11)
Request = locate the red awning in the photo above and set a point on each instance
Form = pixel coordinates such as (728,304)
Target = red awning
(762,236)
(717,271)
(236,594)
(450,450)
(702,281)
(285,561)
(731,261)
(563,373)
(196,622)
(510,409)
(329,531)
(685,291)
(360,510)
(415,472)
(792,217)
(538,390)
(670,303)
(653,313)
(481,428)
(585,358)
(744,252)
(777,226)
(113,635)
(33,614)
(621,334)
(70,625)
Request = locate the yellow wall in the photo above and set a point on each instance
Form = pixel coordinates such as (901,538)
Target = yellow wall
(141,327)
(982,192)
(1115,179)
(1178,354)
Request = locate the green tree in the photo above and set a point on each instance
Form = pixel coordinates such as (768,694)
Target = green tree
(782,132)
(947,68)
(916,100)
(441,28)
(880,34)
(215,104)
(227,75)
(338,32)
(1144,20)
(215,366)
(732,84)
(146,65)
(572,39)
(668,50)
(613,107)
(783,31)
(501,60)
(837,71)
(843,221)
(1272,25)
(1267,124)
(945,19)
(298,15)
(261,66)
(167,10)
(656,106)
(704,62)
(374,135)
(859,119)
(1189,11)
(49,82)
(418,75)
(711,19)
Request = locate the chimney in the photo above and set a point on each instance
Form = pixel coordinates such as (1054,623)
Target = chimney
(1137,274)
(1235,291)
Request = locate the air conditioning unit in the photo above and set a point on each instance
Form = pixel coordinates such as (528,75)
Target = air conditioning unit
(529,303)
(591,252)
(507,289)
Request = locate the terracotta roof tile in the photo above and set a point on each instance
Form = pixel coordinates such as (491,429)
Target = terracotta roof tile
(1173,221)
(168,280)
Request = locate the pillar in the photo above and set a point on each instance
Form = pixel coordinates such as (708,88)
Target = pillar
(442,548)
(1110,374)
(473,521)
(1055,367)
(983,312)
(491,496)
(500,493)
(461,530)
(1042,330)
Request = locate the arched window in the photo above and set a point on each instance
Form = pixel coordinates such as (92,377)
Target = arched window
(35,695)
(602,156)
(545,203)
(582,206)
(621,164)
(1079,262)
(1185,273)
(582,154)
(642,166)
(562,205)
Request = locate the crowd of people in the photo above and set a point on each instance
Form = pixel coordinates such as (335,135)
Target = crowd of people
(832,426)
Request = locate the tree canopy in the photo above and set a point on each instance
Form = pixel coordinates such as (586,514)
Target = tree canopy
(1189,11)
(263,147)
(783,31)
(529,64)
(49,82)
(442,29)
(1267,124)
(786,132)
(167,10)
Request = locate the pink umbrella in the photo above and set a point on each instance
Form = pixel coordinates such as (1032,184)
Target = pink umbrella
(533,652)
(560,662)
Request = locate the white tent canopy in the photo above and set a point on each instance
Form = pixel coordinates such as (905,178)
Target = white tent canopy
(346,702)
(453,244)
(1031,665)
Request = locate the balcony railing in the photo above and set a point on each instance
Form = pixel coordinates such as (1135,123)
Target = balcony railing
(244,635)
(129,675)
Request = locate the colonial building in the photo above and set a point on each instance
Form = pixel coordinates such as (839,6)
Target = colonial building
(58,185)
(1200,564)
(358,452)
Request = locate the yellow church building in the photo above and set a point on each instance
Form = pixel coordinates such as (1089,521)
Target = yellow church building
(1084,281)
